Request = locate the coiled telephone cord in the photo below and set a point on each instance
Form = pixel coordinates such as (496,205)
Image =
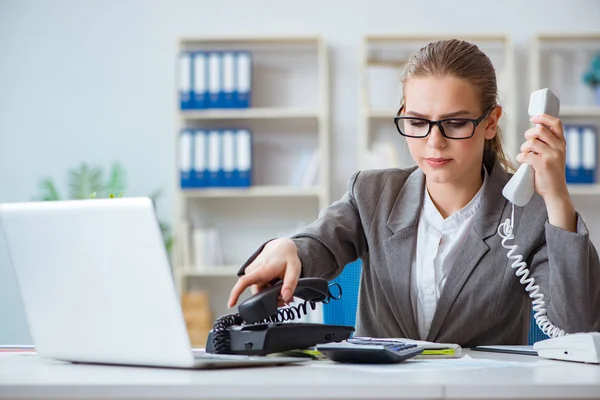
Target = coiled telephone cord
(222,341)
(505,230)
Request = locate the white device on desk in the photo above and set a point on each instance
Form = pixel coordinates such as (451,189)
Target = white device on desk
(582,347)
(97,287)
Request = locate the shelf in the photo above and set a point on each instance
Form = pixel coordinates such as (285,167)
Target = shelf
(569,36)
(261,40)
(584,189)
(580,111)
(386,63)
(254,191)
(250,113)
(381,114)
(433,37)
(218,271)
(290,86)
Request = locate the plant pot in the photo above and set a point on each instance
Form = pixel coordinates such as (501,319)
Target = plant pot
(597,95)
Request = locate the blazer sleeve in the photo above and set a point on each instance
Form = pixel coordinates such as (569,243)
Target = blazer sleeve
(336,238)
(567,269)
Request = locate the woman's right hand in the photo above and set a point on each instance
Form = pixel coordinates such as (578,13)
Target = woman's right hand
(278,259)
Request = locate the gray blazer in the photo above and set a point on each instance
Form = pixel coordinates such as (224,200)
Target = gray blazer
(483,301)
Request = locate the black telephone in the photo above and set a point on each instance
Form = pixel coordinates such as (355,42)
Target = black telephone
(260,328)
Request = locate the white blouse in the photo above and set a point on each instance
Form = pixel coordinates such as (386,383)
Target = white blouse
(439,241)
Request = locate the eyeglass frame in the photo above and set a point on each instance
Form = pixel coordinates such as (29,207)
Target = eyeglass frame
(438,123)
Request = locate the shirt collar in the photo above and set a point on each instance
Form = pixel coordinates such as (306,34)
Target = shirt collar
(434,217)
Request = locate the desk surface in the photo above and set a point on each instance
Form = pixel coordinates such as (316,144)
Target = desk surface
(478,375)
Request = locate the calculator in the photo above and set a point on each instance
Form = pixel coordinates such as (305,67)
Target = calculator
(380,353)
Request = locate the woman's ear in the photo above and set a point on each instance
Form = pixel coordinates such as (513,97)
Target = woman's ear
(492,122)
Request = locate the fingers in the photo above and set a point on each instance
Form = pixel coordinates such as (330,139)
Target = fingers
(554,124)
(290,279)
(530,158)
(539,154)
(544,135)
(546,142)
(258,287)
(254,265)
(236,291)
(256,277)
(278,259)
(536,146)
(520,158)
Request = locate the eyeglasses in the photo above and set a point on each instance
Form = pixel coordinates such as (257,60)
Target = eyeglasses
(451,128)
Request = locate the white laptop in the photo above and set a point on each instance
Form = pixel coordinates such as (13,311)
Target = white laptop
(97,286)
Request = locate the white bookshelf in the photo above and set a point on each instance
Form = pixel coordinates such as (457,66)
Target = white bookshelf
(382,58)
(251,113)
(289,114)
(255,191)
(584,190)
(558,61)
(580,111)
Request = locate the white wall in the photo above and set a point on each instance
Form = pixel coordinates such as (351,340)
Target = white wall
(94,80)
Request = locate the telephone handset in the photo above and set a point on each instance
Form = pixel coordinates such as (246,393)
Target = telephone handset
(519,191)
(264,304)
(260,328)
(520,188)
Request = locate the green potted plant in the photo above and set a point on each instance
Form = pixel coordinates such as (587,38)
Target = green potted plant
(87,182)
(592,77)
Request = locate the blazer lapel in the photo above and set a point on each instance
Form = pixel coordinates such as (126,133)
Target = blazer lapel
(485,226)
(399,250)
(474,249)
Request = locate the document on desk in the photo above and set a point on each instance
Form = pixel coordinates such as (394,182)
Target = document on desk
(522,350)
(458,364)
(431,350)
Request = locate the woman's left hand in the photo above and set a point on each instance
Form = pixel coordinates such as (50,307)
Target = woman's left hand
(545,151)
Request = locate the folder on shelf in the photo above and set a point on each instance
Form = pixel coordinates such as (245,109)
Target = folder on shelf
(199,165)
(243,89)
(185,81)
(228,148)
(582,159)
(185,159)
(200,80)
(228,88)
(243,165)
(215,88)
(215,164)
(589,159)
(573,161)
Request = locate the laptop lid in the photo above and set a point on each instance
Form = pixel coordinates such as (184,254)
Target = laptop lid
(95,281)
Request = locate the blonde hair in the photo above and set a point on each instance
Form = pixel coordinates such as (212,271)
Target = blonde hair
(463,60)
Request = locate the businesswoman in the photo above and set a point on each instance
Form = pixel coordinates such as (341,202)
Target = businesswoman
(434,267)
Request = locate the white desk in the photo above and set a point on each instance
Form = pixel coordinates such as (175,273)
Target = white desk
(485,376)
